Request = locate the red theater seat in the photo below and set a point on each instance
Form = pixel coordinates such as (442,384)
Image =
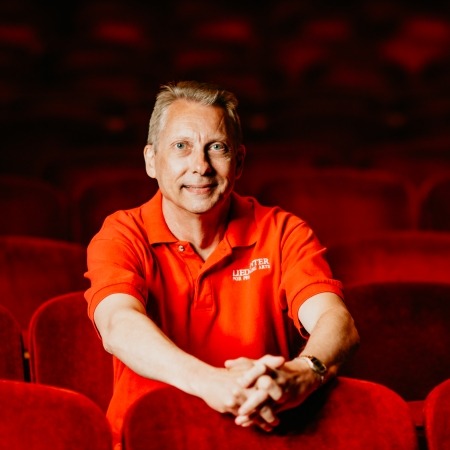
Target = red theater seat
(404,335)
(339,202)
(437,413)
(11,347)
(65,350)
(40,417)
(392,256)
(434,211)
(34,269)
(419,42)
(32,207)
(348,414)
(100,193)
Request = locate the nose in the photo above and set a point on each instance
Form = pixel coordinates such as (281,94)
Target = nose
(200,162)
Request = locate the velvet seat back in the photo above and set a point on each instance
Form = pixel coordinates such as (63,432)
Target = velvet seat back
(40,417)
(437,416)
(32,207)
(434,213)
(347,414)
(392,256)
(94,195)
(34,269)
(65,350)
(338,203)
(11,347)
(404,335)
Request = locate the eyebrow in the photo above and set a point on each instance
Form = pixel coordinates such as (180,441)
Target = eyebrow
(222,138)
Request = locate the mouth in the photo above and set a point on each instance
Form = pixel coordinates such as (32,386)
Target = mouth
(200,188)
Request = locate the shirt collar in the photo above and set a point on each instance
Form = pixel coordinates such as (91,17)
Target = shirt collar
(241,230)
(157,230)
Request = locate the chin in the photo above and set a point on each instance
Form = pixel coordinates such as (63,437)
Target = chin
(202,206)
(199,208)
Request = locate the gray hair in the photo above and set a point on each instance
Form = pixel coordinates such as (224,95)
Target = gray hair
(204,93)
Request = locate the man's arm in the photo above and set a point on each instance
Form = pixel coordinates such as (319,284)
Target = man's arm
(129,334)
(333,337)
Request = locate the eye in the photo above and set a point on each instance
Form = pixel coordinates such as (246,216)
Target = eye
(218,146)
(180,145)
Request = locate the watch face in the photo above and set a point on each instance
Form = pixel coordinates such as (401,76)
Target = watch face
(316,364)
(320,367)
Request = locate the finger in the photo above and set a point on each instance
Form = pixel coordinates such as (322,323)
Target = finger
(254,400)
(265,426)
(243,421)
(247,421)
(274,362)
(271,386)
(233,403)
(239,362)
(252,374)
(268,416)
(268,364)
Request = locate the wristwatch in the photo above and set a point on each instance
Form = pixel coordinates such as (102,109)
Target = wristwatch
(316,365)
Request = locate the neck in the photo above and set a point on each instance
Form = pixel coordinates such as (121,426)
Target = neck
(203,231)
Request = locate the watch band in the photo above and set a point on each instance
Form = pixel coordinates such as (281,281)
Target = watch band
(316,365)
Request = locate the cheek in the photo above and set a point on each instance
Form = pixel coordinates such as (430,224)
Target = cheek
(224,166)
(231,169)
(169,169)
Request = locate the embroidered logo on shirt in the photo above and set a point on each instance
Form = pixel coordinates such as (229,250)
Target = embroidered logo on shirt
(256,264)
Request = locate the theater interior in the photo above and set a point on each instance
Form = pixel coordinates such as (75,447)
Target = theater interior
(345,110)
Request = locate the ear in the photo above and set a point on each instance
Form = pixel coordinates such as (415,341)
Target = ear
(149,157)
(240,157)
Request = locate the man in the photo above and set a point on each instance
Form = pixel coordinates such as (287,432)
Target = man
(198,287)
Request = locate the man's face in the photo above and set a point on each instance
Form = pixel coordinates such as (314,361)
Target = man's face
(194,163)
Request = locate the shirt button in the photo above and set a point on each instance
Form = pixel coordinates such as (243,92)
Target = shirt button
(181,248)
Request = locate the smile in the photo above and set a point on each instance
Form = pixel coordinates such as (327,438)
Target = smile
(199,189)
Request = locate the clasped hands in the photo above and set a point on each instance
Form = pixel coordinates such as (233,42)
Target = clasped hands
(267,386)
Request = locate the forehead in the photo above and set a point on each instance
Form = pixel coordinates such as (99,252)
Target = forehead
(184,114)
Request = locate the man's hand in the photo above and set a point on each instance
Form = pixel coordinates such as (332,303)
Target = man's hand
(272,385)
(220,389)
(255,372)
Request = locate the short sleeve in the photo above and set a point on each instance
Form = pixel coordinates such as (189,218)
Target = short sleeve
(115,261)
(305,270)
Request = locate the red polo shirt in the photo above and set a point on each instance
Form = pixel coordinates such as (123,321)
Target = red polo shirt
(239,302)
